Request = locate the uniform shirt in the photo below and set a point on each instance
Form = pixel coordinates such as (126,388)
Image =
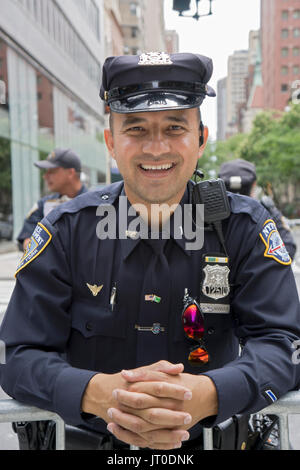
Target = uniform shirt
(39,211)
(59,334)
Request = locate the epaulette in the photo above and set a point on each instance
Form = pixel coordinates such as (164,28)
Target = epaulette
(246,205)
(93,198)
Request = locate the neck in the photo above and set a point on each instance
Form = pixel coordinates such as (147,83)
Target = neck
(73,190)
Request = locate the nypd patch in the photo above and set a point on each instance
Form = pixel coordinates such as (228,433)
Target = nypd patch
(275,247)
(40,238)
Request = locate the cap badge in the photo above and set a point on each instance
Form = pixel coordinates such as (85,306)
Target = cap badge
(52,155)
(155,58)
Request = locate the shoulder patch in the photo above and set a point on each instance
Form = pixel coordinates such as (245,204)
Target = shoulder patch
(275,247)
(40,238)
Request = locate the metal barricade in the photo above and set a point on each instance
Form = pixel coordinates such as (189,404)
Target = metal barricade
(289,404)
(13,411)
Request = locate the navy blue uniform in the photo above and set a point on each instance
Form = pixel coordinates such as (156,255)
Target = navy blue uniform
(60,329)
(37,213)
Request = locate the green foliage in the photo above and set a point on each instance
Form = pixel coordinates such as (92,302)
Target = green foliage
(273,145)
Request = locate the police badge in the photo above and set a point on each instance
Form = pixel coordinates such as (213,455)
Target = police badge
(215,284)
(155,58)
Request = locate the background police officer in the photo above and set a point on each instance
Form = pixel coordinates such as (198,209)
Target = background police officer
(240,177)
(106,332)
(62,176)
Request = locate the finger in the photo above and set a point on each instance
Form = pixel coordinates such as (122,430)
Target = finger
(132,438)
(149,419)
(142,372)
(166,436)
(141,401)
(162,390)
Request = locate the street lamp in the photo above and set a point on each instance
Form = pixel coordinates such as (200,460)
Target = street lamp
(184,5)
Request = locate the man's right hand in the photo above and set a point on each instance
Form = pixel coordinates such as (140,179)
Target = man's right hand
(99,398)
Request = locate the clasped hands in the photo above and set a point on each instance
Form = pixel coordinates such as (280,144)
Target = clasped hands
(151,406)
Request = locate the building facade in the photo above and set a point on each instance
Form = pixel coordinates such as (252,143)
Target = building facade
(280,33)
(221,108)
(236,89)
(51,54)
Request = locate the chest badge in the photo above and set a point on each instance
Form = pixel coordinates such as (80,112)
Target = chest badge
(216,283)
(94,289)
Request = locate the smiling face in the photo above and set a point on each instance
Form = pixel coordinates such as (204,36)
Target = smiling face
(156,153)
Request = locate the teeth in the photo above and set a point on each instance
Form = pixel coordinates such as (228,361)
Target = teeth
(157,167)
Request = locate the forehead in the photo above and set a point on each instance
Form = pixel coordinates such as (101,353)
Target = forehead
(178,115)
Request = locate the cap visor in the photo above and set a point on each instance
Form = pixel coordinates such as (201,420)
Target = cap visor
(45,164)
(155,102)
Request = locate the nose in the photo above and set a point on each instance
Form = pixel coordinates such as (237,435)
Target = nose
(156,144)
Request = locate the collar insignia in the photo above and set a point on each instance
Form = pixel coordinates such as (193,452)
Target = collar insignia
(155,58)
(94,289)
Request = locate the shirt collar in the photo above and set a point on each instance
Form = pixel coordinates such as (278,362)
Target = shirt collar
(130,242)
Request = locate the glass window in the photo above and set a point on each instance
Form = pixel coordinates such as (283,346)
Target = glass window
(284,14)
(284,70)
(284,52)
(284,87)
(296,51)
(296,69)
(296,14)
(296,32)
(284,33)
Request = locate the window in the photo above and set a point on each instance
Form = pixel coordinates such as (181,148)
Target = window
(285,14)
(296,32)
(296,51)
(133,8)
(296,69)
(296,14)
(284,87)
(284,33)
(284,70)
(134,32)
(284,52)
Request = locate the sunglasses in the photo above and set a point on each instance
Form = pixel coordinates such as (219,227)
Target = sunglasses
(193,325)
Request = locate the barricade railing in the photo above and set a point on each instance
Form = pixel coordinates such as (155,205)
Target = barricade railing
(289,404)
(13,411)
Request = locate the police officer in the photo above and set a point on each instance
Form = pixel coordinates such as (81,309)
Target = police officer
(240,177)
(62,175)
(138,338)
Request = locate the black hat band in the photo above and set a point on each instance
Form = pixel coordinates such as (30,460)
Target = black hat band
(195,88)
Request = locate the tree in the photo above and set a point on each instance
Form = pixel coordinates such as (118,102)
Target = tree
(5,178)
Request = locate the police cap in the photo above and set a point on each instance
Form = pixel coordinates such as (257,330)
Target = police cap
(65,158)
(155,81)
(238,175)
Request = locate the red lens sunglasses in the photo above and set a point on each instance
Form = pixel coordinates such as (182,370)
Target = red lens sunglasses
(193,325)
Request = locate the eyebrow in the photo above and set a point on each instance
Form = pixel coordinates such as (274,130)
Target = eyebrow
(131,120)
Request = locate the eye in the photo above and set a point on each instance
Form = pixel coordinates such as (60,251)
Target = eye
(175,129)
(135,130)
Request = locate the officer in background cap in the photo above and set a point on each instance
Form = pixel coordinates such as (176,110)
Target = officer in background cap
(106,344)
(240,177)
(62,176)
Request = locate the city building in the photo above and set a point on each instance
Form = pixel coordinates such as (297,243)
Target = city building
(51,54)
(280,35)
(236,89)
(221,108)
(171,41)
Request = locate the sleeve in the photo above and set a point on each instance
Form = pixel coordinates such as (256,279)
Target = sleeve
(34,216)
(36,328)
(265,305)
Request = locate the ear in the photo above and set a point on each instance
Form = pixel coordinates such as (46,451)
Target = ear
(205,137)
(109,141)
